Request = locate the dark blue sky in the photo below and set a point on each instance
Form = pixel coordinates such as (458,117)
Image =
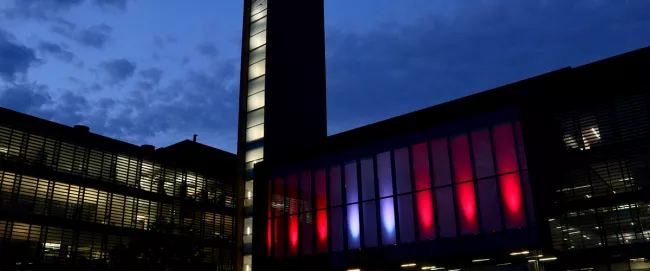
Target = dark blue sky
(158,71)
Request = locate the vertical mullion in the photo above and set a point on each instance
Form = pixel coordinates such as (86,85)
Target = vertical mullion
(377,201)
(519,170)
(395,197)
(433,190)
(497,179)
(344,205)
(453,185)
(477,195)
(413,194)
(362,234)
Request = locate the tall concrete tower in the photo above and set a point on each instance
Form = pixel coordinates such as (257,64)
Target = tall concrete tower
(282,107)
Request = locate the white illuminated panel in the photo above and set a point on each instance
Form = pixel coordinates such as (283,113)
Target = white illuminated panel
(255,133)
(255,118)
(254,154)
(258,15)
(255,101)
(257,55)
(257,6)
(258,26)
(256,70)
(256,85)
(258,40)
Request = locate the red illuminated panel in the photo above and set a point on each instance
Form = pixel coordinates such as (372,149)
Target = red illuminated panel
(321,187)
(269,236)
(270,213)
(461,159)
(278,197)
(321,230)
(504,148)
(512,200)
(424,204)
(466,202)
(292,194)
(421,166)
(293,235)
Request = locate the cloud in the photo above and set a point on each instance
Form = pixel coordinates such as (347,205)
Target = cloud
(453,49)
(28,98)
(117,4)
(95,36)
(207,49)
(151,75)
(118,70)
(163,42)
(38,9)
(15,58)
(56,50)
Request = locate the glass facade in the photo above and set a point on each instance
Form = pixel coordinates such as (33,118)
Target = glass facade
(255,102)
(462,184)
(47,183)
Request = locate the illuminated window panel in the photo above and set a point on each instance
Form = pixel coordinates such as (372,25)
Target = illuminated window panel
(384,175)
(254,154)
(255,133)
(466,202)
(257,40)
(387,211)
(293,235)
(512,200)
(338,228)
(248,197)
(354,227)
(258,26)
(258,15)
(257,55)
(420,158)
(424,207)
(248,230)
(279,236)
(321,231)
(504,148)
(321,187)
(256,85)
(256,70)
(258,6)
(248,263)
(255,101)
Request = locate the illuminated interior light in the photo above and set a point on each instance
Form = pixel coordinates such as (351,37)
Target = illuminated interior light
(638,260)
(248,267)
(588,196)
(548,259)
(249,195)
(575,232)
(595,132)
(357,269)
(4,149)
(525,252)
(502,264)
(532,261)
(248,230)
(454,269)
(480,260)
(408,265)
(428,267)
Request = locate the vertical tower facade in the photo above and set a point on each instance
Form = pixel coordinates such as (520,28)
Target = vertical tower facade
(282,93)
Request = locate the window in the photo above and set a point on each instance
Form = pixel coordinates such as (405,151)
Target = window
(387,211)
(337,229)
(367,179)
(370,224)
(405,213)
(335,186)
(254,154)
(256,85)
(351,188)
(421,166)
(354,227)
(385,175)
(258,40)
(488,200)
(255,133)
(256,70)
(248,197)
(254,118)
(248,230)
(402,171)
(446,214)
(257,55)
(258,26)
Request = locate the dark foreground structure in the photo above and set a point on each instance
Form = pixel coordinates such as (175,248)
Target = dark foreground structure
(71,199)
(549,173)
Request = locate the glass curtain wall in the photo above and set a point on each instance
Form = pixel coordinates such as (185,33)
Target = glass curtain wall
(463,184)
(255,103)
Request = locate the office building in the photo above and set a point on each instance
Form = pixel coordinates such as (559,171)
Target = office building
(548,173)
(70,199)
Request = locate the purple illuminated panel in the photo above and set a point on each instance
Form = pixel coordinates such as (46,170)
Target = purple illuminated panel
(335,186)
(405,214)
(488,202)
(482,151)
(367,179)
(421,166)
(384,175)
(351,183)
(370,224)
(402,170)
(337,229)
(440,157)
(305,192)
(446,215)
(354,227)
(387,211)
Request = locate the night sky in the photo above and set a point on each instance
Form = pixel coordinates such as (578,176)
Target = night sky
(158,71)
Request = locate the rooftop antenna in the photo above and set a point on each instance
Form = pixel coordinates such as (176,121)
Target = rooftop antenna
(195,135)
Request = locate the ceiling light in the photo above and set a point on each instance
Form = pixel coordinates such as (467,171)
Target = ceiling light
(548,259)
(520,253)
(354,269)
(408,265)
(480,260)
